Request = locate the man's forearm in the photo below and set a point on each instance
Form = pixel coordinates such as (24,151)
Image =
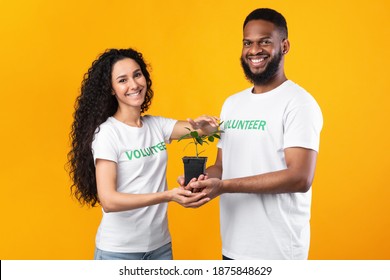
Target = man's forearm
(283,181)
(214,171)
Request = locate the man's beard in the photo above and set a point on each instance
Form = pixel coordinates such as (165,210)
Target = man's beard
(267,75)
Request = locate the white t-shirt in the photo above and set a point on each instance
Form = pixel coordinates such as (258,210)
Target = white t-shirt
(258,127)
(141,157)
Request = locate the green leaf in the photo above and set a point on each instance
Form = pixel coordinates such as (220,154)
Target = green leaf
(184,136)
(194,134)
(199,140)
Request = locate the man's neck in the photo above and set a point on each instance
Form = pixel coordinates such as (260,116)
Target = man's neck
(272,84)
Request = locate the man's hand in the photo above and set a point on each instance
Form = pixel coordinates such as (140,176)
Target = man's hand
(180,181)
(211,187)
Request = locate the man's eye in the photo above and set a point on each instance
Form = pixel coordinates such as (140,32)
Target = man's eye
(247,43)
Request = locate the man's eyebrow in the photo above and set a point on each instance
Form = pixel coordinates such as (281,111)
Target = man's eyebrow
(257,39)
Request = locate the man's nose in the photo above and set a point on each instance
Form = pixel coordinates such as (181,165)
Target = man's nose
(255,49)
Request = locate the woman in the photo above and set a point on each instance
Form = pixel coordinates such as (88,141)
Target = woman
(118,158)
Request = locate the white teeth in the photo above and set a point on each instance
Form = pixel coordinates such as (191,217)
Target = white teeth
(133,94)
(257,60)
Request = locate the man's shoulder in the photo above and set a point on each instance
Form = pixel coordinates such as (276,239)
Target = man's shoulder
(298,92)
(239,94)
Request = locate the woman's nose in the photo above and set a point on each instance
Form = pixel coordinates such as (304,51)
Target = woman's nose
(133,84)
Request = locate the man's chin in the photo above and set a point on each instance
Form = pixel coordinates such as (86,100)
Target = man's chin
(257,71)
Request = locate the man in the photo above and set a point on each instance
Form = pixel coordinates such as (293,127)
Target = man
(267,154)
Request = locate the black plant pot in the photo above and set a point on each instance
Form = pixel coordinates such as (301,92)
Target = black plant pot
(193,167)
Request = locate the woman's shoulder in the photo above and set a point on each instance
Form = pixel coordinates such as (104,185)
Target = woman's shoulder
(107,127)
(149,119)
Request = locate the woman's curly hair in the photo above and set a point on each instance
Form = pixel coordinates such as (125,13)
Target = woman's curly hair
(94,105)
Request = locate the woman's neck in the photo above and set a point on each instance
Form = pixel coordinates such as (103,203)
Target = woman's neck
(129,117)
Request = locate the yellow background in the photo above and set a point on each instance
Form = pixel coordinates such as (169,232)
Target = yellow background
(339,53)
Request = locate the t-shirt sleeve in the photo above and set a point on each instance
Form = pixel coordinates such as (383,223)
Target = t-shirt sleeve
(222,119)
(166,125)
(104,144)
(302,127)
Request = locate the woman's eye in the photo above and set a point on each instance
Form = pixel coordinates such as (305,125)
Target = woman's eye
(122,80)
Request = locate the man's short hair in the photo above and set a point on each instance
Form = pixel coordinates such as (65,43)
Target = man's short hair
(269,15)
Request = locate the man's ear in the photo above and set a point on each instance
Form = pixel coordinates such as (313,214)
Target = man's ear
(285,46)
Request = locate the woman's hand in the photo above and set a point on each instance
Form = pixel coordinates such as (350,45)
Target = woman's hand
(186,198)
(204,124)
